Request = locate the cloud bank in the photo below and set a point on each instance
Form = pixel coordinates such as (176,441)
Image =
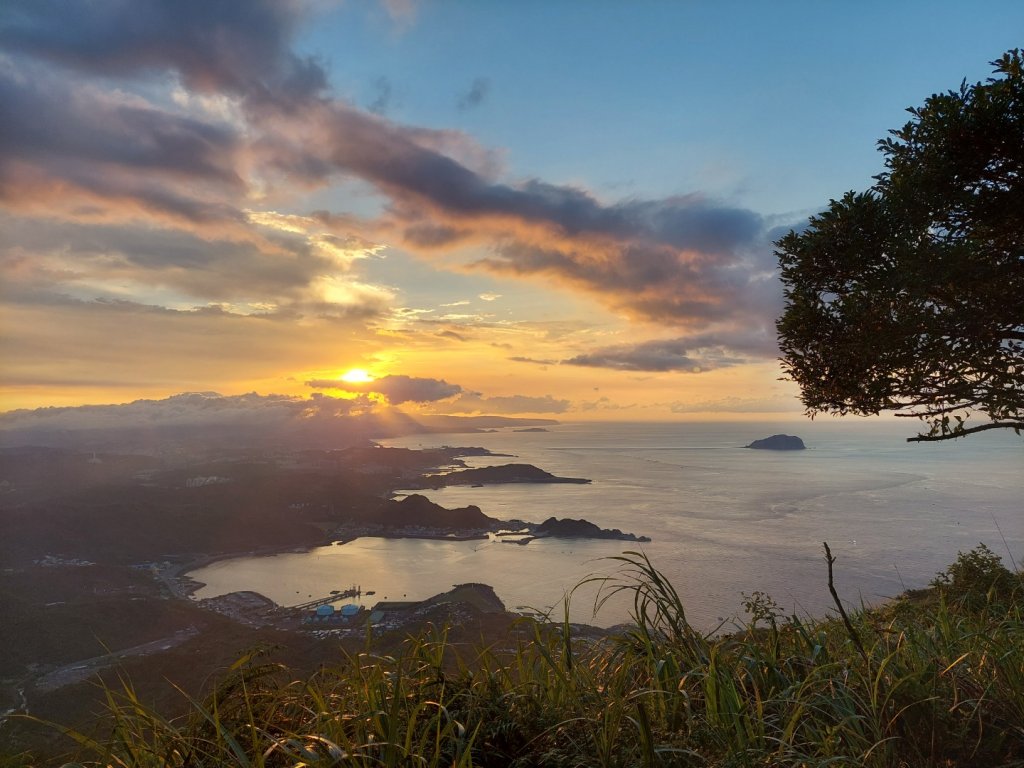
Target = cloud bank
(159,138)
(188,409)
(205,420)
(396,388)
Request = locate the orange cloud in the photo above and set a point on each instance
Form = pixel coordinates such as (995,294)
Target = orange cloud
(245,122)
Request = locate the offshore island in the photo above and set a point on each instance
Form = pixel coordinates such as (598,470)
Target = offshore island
(778,443)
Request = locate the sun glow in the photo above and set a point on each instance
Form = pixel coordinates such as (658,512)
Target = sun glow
(356,376)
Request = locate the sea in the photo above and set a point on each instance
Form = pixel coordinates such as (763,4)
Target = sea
(725,521)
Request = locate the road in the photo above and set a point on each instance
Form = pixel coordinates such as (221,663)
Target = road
(80,670)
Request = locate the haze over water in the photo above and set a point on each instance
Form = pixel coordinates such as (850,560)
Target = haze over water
(724,520)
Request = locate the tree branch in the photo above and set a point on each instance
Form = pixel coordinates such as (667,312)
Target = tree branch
(963,432)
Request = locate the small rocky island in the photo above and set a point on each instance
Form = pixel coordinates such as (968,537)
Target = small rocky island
(506,473)
(532,429)
(779,443)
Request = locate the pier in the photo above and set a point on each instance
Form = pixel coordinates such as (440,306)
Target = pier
(352,591)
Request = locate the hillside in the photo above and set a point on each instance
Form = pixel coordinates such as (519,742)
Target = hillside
(931,679)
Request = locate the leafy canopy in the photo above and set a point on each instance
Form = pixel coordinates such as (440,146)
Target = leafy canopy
(909,297)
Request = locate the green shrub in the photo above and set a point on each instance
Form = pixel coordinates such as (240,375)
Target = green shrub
(978,577)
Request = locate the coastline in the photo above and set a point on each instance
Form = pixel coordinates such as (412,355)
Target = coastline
(427,536)
(175,576)
(668,483)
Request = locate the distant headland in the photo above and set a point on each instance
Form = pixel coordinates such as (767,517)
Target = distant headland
(505,473)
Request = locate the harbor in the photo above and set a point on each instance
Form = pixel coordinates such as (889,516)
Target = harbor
(333,597)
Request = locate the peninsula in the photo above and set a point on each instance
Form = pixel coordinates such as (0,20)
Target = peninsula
(506,473)
(565,528)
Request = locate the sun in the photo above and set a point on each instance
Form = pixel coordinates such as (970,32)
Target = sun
(356,376)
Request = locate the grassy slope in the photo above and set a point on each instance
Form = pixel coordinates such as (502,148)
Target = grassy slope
(935,679)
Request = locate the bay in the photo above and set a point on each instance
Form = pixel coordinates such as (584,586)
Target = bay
(724,520)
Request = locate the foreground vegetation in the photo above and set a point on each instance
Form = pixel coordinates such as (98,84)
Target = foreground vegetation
(935,678)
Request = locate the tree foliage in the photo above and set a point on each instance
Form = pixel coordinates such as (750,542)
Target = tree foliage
(909,297)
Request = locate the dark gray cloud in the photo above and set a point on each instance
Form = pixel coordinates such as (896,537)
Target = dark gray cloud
(678,260)
(213,45)
(647,356)
(397,389)
(476,94)
(391,158)
(48,118)
(687,354)
(430,236)
(655,282)
(62,139)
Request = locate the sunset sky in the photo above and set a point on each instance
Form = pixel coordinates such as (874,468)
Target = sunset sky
(560,209)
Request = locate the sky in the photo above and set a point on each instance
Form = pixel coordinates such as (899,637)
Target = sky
(555,209)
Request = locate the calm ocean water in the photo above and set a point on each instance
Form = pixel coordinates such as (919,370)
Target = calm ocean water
(724,520)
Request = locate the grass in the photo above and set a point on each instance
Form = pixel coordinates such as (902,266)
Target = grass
(934,679)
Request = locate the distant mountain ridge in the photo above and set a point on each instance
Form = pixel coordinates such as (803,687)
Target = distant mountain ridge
(198,420)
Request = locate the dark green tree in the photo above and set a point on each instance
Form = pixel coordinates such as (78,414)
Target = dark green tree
(909,297)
